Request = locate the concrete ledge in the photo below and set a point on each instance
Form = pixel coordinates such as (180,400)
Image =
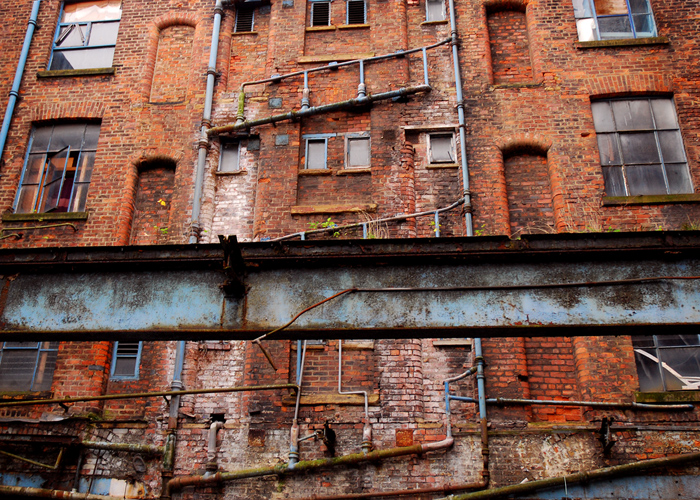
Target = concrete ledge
(331,399)
(667,397)
(333,209)
(334,57)
(59,73)
(623,42)
(609,201)
(353,171)
(52,216)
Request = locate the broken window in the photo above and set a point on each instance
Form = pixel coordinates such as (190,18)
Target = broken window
(58,168)
(441,148)
(86,35)
(358,151)
(316,155)
(356,12)
(320,13)
(434,10)
(613,19)
(126,360)
(244,20)
(27,366)
(229,159)
(641,148)
(667,362)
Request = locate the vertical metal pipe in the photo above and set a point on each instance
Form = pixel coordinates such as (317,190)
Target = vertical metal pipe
(364,231)
(462,124)
(306,92)
(206,124)
(425,66)
(436,221)
(14,92)
(176,384)
(367,431)
(362,88)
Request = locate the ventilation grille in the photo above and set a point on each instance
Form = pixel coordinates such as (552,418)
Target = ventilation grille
(127,348)
(321,14)
(244,20)
(356,11)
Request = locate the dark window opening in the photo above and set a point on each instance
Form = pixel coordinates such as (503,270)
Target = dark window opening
(244,20)
(320,14)
(126,360)
(356,12)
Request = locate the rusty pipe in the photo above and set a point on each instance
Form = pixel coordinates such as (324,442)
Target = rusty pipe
(133,447)
(448,488)
(25,491)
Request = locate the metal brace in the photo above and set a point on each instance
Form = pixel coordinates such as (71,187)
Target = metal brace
(234,267)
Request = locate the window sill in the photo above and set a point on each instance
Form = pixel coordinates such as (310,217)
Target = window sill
(333,209)
(656,199)
(44,217)
(310,347)
(331,399)
(498,86)
(350,345)
(25,396)
(437,166)
(233,172)
(667,397)
(452,343)
(334,58)
(316,171)
(353,26)
(623,42)
(60,73)
(321,28)
(354,170)
(243,33)
(433,23)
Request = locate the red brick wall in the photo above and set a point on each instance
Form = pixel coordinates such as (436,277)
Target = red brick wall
(529,194)
(154,197)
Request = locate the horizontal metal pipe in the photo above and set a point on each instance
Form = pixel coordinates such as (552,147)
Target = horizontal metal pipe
(133,447)
(108,397)
(448,488)
(25,491)
(580,477)
(336,106)
(594,404)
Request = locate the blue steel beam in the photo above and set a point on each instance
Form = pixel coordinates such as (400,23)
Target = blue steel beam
(404,288)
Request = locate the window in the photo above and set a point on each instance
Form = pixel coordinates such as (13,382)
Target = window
(320,13)
(126,360)
(356,12)
(316,154)
(667,362)
(58,168)
(441,148)
(86,35)
(244,20)
(358,151)
(229,159)
(613,19)
(640,146)
(27,366)
(435,10)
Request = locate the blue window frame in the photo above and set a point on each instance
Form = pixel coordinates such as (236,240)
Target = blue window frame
(316,151)
(58,168)
(613,19)
(86,35)
(27,366)
(126,360)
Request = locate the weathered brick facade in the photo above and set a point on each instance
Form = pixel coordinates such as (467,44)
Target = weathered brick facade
(534,166)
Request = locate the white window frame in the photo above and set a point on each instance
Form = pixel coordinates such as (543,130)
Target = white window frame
(347,11)
(316,138)
(453,150)
(223,168)
(116,355)
(357,138)
(311,13)
(428,11)
(588,22)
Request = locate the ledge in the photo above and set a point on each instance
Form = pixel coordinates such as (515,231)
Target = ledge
(316,171)
(243,33)
(44,217)
(622,42)
(667,397)
(452,343)
(233,172)
(532,85)
(331,399)
(59,73)
(334,57)
(25,396)
(437,166)
(353,171)
(333,209)
(433,23)
(353,26)
(655,199)
(321,28)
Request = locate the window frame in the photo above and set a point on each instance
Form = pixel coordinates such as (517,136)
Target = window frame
(359,137)
(692,383)
(588,24)
(222,155)
(60,36)
(45,365)
(246,10)
(453,148)
(347,12)
(616,150)
(116,356)
(311,13)
(316,138)
(76,166)
(428,11)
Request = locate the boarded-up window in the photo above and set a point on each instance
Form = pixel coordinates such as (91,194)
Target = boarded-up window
(441,148)
(358,152)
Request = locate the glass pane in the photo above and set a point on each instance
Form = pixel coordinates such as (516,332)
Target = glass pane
(316,154)
(72,35)
(79,197)
(645,179)
(614,27)
(35,167)
(639,6)
(648,370)
(664,113)
(91,11)
(41,138)
(677,340)
(435,10)
(27,195)
(26,345)
(17,369)
(681,368)
(643,341)
(83,59)
(614,182)
(67,135)
(125,367)
(104,34)
(52,183)
(607,147)
(678,178)
(587,31)
(639,148)
(602,117)
(582,8)
(43,377)
(441,149)
(358,152)
(632,114)
(672,146)
(644,25)
(608,7)
(92,133)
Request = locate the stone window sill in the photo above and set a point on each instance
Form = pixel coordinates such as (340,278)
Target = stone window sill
(353,171)
(319,171)
(60,73)
(244,33)
(655,199)
(321,28)
(624,42)
(353,26)
(433,23)
(356,345)
(333,209)
(452,343)
(44,217)
(233,172)
(25,396)
(667,397)
(335,57)
(437,166)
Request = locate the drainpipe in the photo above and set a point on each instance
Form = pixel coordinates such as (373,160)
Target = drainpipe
(481,391)
(212,465)
(462,124)
(206,124)
(294,432)
(367,430)
(14,93)
(174,410)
